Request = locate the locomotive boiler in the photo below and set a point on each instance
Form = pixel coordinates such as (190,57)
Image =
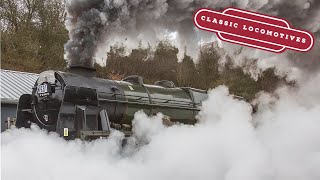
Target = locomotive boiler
(76,104)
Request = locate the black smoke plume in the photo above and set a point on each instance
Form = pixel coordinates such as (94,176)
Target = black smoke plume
(94,25)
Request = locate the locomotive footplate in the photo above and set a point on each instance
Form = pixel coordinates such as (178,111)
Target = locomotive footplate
(90,135)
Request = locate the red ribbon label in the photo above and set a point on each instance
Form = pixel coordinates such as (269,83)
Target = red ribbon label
(253,30)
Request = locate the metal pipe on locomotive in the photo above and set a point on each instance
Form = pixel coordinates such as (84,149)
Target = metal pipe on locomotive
(76,104)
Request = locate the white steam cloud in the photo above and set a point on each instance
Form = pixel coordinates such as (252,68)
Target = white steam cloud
(283,145)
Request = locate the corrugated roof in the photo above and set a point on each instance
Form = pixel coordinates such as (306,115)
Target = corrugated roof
(15,83)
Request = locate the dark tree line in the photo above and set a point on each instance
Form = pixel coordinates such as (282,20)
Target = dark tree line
(33,36)
(163,64)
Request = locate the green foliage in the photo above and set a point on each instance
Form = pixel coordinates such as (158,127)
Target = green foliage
(187,73)
(33,35)
(208,65)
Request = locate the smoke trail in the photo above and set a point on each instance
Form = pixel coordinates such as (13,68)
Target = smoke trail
(94,25)
(303,14)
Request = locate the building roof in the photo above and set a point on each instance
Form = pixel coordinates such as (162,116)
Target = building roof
(14,84)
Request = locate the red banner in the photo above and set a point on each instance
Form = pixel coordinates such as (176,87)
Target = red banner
(253,30)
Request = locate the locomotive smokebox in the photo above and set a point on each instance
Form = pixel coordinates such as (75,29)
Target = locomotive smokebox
(82,70)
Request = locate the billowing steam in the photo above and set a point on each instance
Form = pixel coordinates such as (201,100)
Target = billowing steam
(95,25)
(284,145)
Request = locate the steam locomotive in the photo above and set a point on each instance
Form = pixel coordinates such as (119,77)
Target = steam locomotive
(76,104)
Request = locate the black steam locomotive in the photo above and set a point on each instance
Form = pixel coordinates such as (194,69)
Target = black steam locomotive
(76,104)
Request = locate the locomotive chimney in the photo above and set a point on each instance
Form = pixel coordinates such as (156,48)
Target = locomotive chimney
(82,70)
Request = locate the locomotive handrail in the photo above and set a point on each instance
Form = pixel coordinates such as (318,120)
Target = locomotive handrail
(141,97)
(148,104)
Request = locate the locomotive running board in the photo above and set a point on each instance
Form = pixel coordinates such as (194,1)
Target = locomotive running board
(89,135)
